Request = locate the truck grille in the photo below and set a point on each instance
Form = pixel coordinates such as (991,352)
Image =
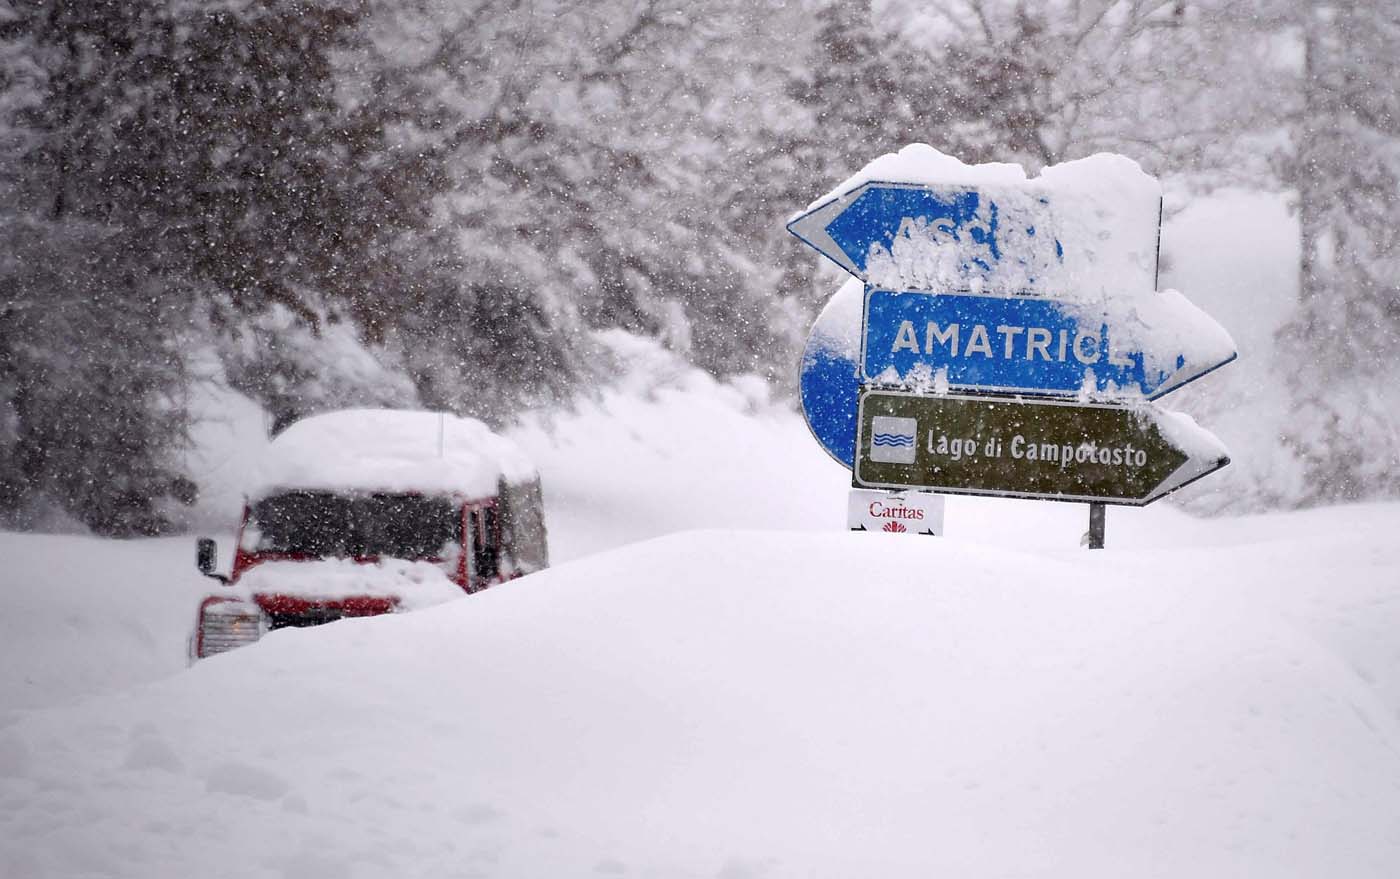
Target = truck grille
(300,619)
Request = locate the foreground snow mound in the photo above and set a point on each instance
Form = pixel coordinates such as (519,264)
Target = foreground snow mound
(84,615)
(744,704)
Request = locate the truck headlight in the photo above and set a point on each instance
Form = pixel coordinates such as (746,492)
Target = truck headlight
(224,625)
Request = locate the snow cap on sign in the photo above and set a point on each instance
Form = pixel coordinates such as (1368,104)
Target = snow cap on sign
(391,451)
(1086,229)
(921,163)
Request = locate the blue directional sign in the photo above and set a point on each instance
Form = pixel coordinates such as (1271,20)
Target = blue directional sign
(1038,346)
(1010,291)
(1001,236)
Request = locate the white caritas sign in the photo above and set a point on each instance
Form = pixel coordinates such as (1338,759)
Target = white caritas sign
(895,512)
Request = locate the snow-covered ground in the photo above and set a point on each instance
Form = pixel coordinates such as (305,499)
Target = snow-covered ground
(1211,699)
(669,450)
(768,697)
(83,615)
(772,697)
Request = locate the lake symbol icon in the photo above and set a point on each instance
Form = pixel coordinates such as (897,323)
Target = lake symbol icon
(892,439)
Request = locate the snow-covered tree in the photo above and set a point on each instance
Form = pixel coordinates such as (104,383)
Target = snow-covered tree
(1042,81)
(1344,164)
(92,383)
(182,169)
(92,376)
(853,94)
(866,92)
(281,206)
(585,148)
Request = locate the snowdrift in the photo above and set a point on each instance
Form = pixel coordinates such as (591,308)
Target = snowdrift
(731,703)
(83,615)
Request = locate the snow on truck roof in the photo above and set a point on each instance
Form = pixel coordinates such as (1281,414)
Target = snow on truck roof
(392,451)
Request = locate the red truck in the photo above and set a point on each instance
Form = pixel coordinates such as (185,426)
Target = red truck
(371,511)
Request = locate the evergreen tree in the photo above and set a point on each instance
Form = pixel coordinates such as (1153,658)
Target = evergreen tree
(278,209)
(475,309)
(90,357)
(866,92)
(855,93)
(95,380)
(185,167)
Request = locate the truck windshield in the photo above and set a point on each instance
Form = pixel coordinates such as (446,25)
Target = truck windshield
(405,526)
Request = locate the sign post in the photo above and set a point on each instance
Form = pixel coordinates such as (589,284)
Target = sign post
(1097,513)
(1010,337)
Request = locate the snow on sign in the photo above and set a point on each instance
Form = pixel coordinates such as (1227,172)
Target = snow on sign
(1148,346)
(979,280)
(921,220)
(973,231)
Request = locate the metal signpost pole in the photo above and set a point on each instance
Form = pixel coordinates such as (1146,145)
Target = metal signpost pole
(1097,513)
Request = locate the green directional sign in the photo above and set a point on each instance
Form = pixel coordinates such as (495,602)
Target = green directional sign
(1011,447)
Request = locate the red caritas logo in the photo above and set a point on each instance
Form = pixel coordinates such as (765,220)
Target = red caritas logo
(894,528)
(881,511)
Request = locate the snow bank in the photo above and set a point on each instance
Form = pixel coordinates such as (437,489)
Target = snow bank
(390,450)
(82,615)
(1211,698)
(778,705)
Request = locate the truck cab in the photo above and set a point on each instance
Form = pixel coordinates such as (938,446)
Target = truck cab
(364,512)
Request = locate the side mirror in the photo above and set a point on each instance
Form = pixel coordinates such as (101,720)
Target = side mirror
(206,554)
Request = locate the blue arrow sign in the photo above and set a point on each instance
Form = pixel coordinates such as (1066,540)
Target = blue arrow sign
(1031,345)
(1001,237)
(878,212)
